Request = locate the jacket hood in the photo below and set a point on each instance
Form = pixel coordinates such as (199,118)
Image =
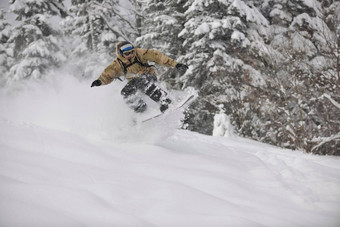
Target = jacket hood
(118,52)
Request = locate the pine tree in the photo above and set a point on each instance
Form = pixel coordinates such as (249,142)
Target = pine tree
(274,65)
(34,40)
(303,92)
(163,22)
(93,28)
(223,42)
(5,51)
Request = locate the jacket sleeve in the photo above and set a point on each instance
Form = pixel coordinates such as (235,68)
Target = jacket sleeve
(114,70)
(157,57)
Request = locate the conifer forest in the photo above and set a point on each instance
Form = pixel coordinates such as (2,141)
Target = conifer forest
(272,67)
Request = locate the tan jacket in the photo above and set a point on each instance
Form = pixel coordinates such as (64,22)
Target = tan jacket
(115,70)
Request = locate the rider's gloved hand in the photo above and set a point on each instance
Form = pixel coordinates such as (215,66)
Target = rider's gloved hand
(181,67)
(96,83)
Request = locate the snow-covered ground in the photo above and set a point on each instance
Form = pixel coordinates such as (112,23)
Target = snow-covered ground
(71,156)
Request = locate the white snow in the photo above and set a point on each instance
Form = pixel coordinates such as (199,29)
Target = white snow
(37,48)
(251,14)
(240,37)
(202,29)
(70,156)
(285,16)
(222,125)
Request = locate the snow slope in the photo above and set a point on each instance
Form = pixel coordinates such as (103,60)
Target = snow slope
(70,156)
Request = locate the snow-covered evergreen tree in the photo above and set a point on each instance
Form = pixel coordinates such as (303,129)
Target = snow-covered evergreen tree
(306,72)
(224,42)
(273,64)
(93,28)
(98,23)
(163,21)
(34,39)
(5,51)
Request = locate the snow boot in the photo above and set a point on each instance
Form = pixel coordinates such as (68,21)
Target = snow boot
(164,104)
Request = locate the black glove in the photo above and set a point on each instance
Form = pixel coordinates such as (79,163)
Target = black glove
(96,83)
(181,67)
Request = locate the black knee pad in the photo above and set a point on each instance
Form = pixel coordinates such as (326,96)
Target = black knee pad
(144,80)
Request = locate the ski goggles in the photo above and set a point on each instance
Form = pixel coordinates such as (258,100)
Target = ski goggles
(129,52)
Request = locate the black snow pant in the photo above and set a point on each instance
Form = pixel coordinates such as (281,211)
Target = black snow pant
(146,84)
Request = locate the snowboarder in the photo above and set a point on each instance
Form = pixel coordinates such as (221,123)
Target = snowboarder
(133,63)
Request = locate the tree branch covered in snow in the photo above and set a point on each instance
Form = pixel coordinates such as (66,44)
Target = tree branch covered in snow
(324,141)
(335,103)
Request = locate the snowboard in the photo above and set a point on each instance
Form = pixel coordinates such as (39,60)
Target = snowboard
(180,105)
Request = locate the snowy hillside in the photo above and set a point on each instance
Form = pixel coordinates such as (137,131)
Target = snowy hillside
(70,156)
